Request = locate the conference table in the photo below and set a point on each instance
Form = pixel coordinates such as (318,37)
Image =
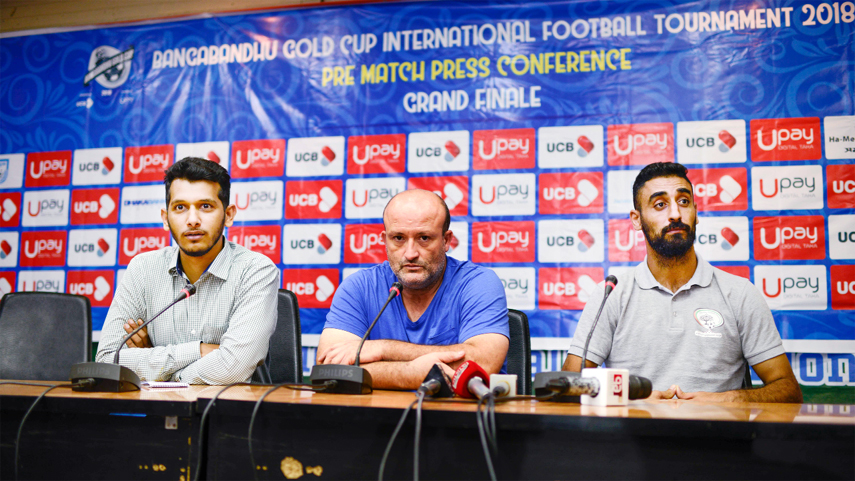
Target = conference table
(153,434)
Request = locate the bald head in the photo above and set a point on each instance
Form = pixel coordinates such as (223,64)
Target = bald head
(418,203)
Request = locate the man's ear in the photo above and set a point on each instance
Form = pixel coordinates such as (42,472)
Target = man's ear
(231,211)
(635,217)
(164,218)
(447,239)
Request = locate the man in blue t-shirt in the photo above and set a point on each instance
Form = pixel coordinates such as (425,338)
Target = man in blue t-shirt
(448,312)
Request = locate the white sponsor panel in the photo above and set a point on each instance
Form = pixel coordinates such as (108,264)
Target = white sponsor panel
(92,247)
(97,166)
(258,200)
(42,281)
(119,275)
(46,207)
(620,190)
(9,247)
(722,238)
(142,204)
(793,288)
(839,137)
(313,156)
(519,286)
(11,171)
(349,271)
(503,194)
(712,142)
(568,147)
(841,236)
(366,198)
(214,151)
(571,240)
(460,230)
(787,187)
(311,244)
(438,151)
(619,270)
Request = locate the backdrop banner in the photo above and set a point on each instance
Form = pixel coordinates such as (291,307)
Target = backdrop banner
(530,120)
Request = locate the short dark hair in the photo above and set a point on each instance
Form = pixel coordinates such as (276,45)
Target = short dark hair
(654,171)
(194,169)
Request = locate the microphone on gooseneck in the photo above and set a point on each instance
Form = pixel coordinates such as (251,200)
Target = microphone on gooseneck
(394,292)
(188,291)
(611,282)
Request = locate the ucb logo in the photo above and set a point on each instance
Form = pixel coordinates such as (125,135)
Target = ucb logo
(100,248)
(302,244)
(846,237)
(137,164)
(132,246)
(251,199)
(105,166)
(490,194)
(502,238)
(559,289)
(774,287)
(36,248)
(844,287)
(326,155)
(843,186)
(99,289)
(361,243)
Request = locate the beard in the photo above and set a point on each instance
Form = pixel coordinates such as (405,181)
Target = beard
(418,284)
(675,247)
(202,252)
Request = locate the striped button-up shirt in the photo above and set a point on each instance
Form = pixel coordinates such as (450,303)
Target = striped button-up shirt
(234,306)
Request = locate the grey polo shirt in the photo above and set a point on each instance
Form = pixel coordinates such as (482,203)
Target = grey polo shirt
(698,338)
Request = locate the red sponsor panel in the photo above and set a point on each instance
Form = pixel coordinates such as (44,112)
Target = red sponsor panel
(48,169)
(789,237)
(10,209)
(503,241)
(843,287)
(43,248)
(98,286)
(313,199)
(454,190)
(503,149)
(7,282)
(147,163)
(625,243)
(566,288)
(841,186)
(94,206)
(258,158)
(571,193)
(741,271)
(720,189)
(377,154)
(137,241)
(265,239)
(364,244)
(313,287)
(640,144)
(786,139)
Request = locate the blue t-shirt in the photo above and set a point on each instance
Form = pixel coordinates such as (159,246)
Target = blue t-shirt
(469,302)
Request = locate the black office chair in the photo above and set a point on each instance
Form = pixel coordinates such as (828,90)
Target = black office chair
(519,350)
(284,361)
(747,383)
(42,334)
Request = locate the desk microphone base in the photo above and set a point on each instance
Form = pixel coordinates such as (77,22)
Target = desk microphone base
(349,379)
(541,380)
(108,377)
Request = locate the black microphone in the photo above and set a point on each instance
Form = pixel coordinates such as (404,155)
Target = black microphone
(351,379)
(113,377)
(436,383)
(611,282)
(639,387)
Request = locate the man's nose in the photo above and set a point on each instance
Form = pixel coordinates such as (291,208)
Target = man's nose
(410,251)
(193,217)
(674,213)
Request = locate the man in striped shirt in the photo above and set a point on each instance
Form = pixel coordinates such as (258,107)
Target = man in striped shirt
(217,336)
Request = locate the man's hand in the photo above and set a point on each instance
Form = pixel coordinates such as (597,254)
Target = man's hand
(140,339)
(344,352)
(664,394)
(420,366)
(206,349)
(727,396)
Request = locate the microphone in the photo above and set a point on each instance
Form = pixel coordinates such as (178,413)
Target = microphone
(470,381)
(611,282)
(601,387)
(113,377)
(352,379)
(436,384)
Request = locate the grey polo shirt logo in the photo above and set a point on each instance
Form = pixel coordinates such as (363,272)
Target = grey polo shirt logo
(709,319)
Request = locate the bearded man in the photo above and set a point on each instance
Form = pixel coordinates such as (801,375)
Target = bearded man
(675,319)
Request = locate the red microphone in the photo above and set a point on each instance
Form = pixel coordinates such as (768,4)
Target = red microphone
(470,381)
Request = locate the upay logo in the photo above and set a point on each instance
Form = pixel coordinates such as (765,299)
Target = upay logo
(364,244)
(503,241)
(48,169)
(45,207)
(783,188)
(438,151)
(313,199)
(258,158)
(841,236)
(94,206)
(789,238)
(8,249)
(41,281)
(639,144)
(137,241)
(311,156)
(576,193)
(793,288)
(454,190)
(625,243)
(722,238)
(92,247)
(579,240)
(43,248)
(259,238)
(720,189)
(7,282)
(711,142)
(785,139)
(566,288)
(311,244)
(376,154)
(503,149)
(503,194)
(258,200)
(146,164)
(570,147)
(313,287)
(366,198)
(519,286)
(96,285)
(841,186)
(97,166)
(843,287)
(10,209)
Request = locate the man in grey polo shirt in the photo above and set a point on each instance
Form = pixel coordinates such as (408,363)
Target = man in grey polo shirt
(675,319)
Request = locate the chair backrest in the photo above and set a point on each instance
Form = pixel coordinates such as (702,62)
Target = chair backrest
(286,345)
(42,334)
(519,350)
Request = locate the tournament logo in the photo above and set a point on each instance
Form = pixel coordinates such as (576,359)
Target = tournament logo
(567,288)
(789,238)
(620,190)
(10,209)
(839,137)
(841,236)
(625,243)
(109,67)
(258,200)
(41,281)
(147,163)
(48,169)
(843,287)
(11,171)
(503,194)
(711,142)
(722,238)
(7,282)
(258,158)
(787,188)
(364,244)
(785,139)
(503,241)
(94,206)
(258,238)
(8,249)
(92,247)
(137,241)
(720,189)
(313,156)
(376,154)
(43,248)
(438,151)
(841,186)
(570,147)
(214,151)
(454,190)
(640,144)
(311,244)
(96,285)
(709,319)
(142,204)
(314,288)
(45,207)
(97,166)
(576,193)
(503,149)
(793,288)
(313,199)
(366,198)
(570,240)
(519,286)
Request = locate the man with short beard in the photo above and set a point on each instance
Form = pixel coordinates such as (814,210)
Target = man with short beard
(217,336)
(675,319)
(449,311)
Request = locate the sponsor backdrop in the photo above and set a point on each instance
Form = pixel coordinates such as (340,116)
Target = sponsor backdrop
(531,121)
